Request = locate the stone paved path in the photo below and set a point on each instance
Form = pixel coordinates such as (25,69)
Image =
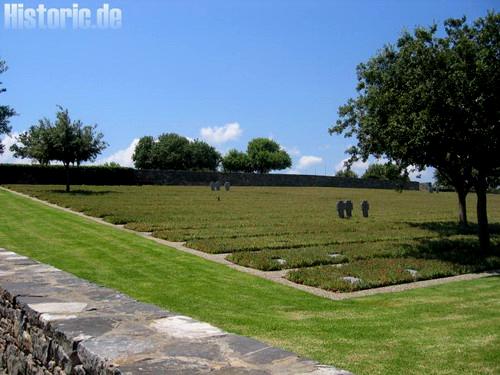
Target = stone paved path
(102,327)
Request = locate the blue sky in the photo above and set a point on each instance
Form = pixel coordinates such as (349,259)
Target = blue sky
(223,71)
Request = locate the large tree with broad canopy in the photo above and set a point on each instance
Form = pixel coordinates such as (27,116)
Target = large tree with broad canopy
(434,101)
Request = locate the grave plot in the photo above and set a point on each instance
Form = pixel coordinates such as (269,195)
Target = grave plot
(336,239)
(377,272)
(271,260)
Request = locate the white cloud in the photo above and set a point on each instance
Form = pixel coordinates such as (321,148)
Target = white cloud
(8,156)
(122,157)
(293,151)
(221,134)
(308,161)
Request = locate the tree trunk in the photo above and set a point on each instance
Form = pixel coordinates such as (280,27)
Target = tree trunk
(482,216)
(66,167)
(462,208)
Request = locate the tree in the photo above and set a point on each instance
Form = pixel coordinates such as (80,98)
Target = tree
(348,173)
(171,152)
(74,143)
(387,172)
(266,155)
(89,143)
(236,161)
(69,142)
(433,101)
(36,143)
(6,112)
(143,153)
(441,182)
(175,152)
(202,156)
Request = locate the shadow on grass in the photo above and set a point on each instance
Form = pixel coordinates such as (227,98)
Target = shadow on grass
(451,228)
(456,244)
(85,192)
(460,251)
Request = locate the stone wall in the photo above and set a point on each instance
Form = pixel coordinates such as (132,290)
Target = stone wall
(52,323)
(12,174)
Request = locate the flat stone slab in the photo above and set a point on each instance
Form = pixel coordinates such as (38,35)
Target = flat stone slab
(352,279)
(58,307)
(414,273)
(280,261)
(101,328)
(185,327)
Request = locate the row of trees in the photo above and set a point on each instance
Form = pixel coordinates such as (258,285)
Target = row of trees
(387,172)
(174,152)
(433,101)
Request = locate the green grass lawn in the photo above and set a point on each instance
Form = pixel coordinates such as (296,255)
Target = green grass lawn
(284,228)
(447,329)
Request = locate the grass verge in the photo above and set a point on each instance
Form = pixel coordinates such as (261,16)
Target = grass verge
(448,329)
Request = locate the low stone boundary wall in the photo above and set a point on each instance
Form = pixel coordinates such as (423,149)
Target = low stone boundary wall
(55,175)
(54,323)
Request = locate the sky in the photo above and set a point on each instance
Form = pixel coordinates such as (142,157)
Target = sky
(221,71)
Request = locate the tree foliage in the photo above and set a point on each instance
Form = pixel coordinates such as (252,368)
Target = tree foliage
(203,156)
(266,155)
(67,141)
(348,173)
(143,153)
(6,112)
(171,152)
(387,171)
(175,152)
(263,155)
(236,161)
(441,182)
(433,101)
(36,143)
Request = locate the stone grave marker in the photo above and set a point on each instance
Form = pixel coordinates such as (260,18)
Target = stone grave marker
(365,206)
(227,185)
(212,185)
(217,186)
(341,209)
(348,208)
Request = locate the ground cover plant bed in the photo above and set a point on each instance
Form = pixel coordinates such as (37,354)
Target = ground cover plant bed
(378,272)
(389,334)
(271,260)
(275,228)
(455,249)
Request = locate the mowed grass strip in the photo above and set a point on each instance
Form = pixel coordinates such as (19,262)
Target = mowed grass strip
(449,329)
